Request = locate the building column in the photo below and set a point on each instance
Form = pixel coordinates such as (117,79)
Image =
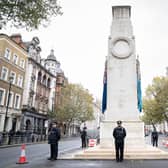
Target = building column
(9,123)
(2,119)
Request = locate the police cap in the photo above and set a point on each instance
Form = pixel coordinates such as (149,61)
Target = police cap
(119,122)
(54,123)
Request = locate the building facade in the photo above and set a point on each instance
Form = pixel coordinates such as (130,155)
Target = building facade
(13,60)
(95,123)
(35,87)
(38,91)
(53,66)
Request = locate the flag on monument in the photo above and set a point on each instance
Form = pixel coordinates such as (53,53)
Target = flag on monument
(104,98)
(139,92)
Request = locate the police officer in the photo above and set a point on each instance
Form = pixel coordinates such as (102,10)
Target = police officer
(154,137)
(84,137)
(53,138)
(119,133)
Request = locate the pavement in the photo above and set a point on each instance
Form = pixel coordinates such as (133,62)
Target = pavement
(95,164)
(14,145)
(34,143)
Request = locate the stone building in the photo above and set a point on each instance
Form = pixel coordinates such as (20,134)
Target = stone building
(40,88)
(38,91)
(13,60)
(53,66)
(35,88)
(95,123)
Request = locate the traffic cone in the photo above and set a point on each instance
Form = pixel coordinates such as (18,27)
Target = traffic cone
(22,158)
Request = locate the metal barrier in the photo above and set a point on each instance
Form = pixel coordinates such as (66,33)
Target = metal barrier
(7,139)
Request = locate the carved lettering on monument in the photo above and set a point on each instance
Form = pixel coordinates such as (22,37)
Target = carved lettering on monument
(121,71)
(122,98)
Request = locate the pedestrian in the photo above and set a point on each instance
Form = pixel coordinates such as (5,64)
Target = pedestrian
(1,137)
(10,136)
(84,137)
(154,137)
(53,138)
(119,133)
(98,135)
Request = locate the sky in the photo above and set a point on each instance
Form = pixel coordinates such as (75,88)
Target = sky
(79,38)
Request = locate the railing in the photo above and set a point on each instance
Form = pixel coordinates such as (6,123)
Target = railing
(7,139)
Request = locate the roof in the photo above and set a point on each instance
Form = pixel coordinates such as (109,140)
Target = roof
(51,56)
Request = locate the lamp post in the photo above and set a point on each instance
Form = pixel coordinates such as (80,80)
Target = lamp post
(8,99)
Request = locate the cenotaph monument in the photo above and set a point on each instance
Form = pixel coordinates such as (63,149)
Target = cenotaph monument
(122,96)
(122,76)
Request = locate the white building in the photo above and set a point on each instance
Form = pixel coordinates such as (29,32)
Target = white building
(38,91)
(95,123)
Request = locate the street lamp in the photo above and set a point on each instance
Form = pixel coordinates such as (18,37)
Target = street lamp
(7,106)
(53,104)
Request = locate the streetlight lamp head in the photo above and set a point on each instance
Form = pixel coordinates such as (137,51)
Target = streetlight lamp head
(11,79)
(8,100)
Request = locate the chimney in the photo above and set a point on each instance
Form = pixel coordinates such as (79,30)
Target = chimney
(17,38)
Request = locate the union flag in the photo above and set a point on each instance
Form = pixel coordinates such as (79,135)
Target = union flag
(104,98)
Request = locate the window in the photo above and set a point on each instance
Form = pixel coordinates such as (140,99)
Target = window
(0,118)
(22,63)
(2,96)
(4,73)
(10,99)
(20,81)
(13,74)
(48,83)
(44,80)
(15,59)
(7,53)
(39,76)
(17,101)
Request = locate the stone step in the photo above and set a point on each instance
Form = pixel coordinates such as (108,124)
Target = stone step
(147,152)
(125,157)
(147,149)
(125,154)
(129,151)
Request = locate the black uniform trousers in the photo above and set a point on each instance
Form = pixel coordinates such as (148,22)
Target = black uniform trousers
(155,141)
(119,147)
(83,142)
(54,151)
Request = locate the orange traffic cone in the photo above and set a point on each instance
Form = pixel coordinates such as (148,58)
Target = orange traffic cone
(22,158)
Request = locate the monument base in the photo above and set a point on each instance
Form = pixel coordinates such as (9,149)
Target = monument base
(135,147)
(134,130)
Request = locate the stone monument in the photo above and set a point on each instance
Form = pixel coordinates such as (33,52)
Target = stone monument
(121,85)
(121,81)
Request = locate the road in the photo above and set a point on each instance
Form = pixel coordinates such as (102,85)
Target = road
(9,156)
